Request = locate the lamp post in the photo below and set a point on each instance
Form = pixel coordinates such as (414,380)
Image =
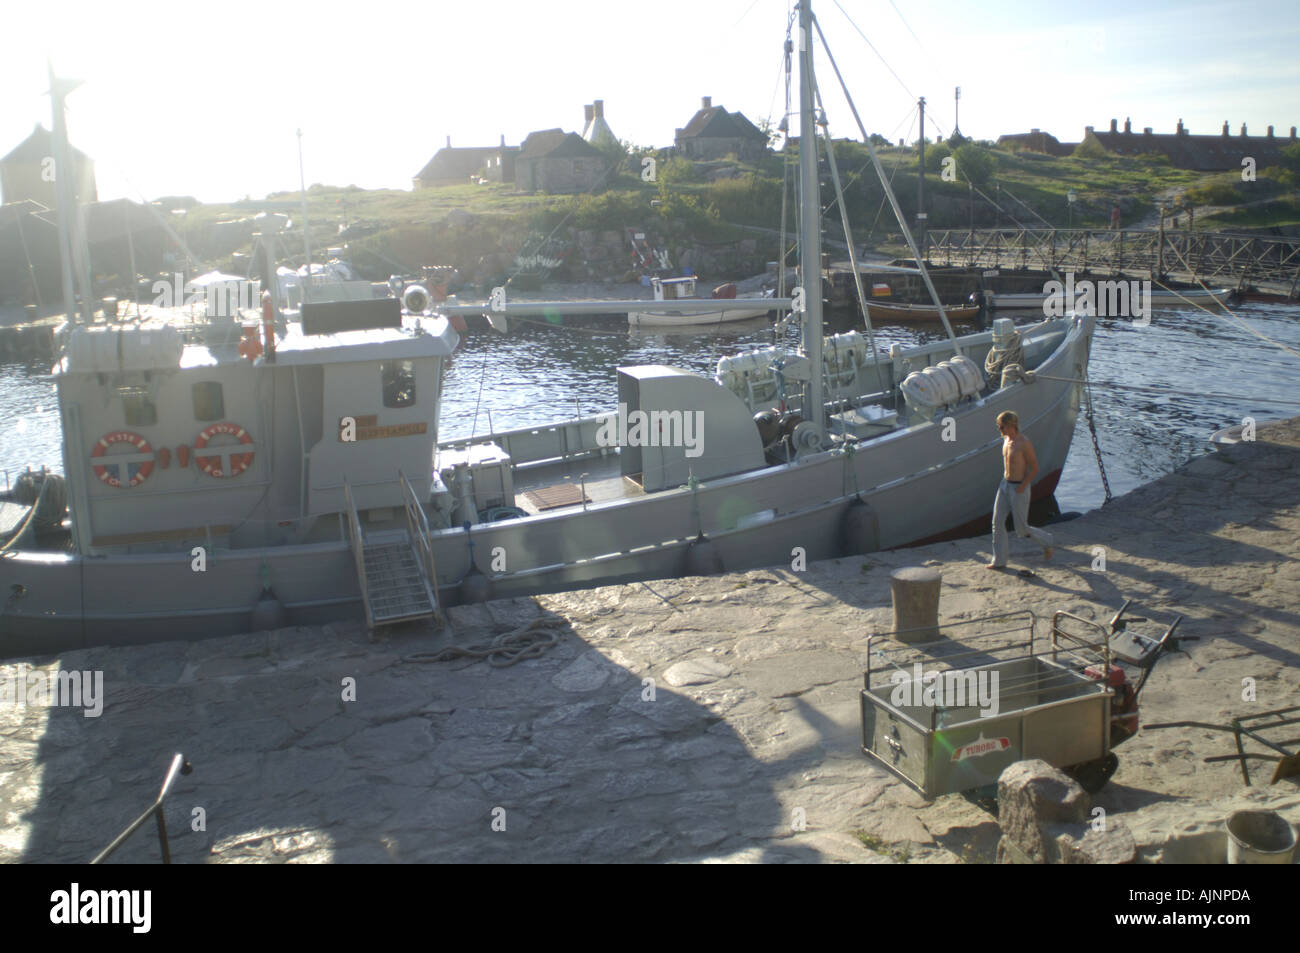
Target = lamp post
(1071,197)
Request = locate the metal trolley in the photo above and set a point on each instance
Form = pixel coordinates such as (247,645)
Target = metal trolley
(950,715)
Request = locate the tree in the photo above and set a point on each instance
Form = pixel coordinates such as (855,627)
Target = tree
(1291,158)
(974,164)
(935,155)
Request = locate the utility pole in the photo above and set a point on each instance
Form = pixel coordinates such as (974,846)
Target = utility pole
(920,183)
(956,113)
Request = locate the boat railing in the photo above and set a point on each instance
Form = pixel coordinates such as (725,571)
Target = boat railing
(563,440)
(178,767)
(417,527)
(357,543)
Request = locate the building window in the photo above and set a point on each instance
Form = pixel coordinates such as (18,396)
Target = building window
(208,402)
(399,383)
(140,410)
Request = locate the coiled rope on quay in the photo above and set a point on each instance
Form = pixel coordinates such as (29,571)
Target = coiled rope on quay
(509,648)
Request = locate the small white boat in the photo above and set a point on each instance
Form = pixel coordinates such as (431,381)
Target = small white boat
(676,289)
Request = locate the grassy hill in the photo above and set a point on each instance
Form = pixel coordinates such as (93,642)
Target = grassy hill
(695,206)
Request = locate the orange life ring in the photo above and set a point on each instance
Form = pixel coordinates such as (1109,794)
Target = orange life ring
(211,465)
(138,472)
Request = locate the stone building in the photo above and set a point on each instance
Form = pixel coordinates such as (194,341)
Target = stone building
(713,133)
(457,165)
(1219,153)
(553,160)
(27,173)
(1035,140)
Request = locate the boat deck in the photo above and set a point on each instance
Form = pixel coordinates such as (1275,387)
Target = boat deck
(603,479)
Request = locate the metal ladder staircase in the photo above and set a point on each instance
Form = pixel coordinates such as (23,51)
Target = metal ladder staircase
(397,578)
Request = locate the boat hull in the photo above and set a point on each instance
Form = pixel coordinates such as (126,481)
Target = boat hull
(667,319)
(909,313)
(1036,301)
(919,486)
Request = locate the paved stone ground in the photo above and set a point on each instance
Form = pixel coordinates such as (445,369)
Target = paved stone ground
(752,732)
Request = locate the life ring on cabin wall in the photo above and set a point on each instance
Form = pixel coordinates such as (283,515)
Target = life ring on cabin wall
(138,472)
(211,465)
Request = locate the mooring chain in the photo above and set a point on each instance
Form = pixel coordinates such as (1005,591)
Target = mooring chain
(1092,429)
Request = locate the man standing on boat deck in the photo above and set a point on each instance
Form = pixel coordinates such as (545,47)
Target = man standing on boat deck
(1019,467)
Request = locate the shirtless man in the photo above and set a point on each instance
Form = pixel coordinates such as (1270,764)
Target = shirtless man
(1019,467)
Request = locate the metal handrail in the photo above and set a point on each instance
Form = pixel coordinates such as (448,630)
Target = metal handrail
(1019,621)
(356,541)
(1079,643)
(178,766)
(417,527)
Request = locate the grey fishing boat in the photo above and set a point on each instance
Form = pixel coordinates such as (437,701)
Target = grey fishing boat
(215,484)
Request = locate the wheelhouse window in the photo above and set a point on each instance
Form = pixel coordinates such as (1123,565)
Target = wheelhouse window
(140,410)
(208,401)
(399,383)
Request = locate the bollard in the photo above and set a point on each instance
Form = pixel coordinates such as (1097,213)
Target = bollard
(915,592)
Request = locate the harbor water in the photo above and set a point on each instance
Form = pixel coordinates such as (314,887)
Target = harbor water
(1208,371)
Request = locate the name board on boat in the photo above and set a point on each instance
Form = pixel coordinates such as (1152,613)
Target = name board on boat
(366,427)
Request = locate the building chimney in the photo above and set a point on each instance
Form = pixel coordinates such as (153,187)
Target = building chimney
(449,142)
(1147,130)
(1225,127)
(588,112)
(1033,132)
(706,102)
(1293,132)
(1270,132)
(1087,130)
(599,107)
(1181,130)
(503,140)
(1114,125)
(1128,125)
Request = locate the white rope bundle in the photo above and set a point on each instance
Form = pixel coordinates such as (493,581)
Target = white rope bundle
(1001,357)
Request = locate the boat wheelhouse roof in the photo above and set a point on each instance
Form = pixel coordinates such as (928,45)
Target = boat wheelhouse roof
(99,349)
(430,337)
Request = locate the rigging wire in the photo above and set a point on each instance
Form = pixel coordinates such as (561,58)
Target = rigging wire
(873,49)
(1162,390)
(893,200)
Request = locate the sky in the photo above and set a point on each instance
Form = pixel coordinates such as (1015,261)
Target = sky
(205,99)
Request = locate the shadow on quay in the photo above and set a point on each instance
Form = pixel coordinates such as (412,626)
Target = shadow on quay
(566,752)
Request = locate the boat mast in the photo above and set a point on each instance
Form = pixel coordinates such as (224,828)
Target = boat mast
(306,237)
(67,205)
(810,239)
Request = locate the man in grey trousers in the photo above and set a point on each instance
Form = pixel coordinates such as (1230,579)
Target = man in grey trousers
(1019,467)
